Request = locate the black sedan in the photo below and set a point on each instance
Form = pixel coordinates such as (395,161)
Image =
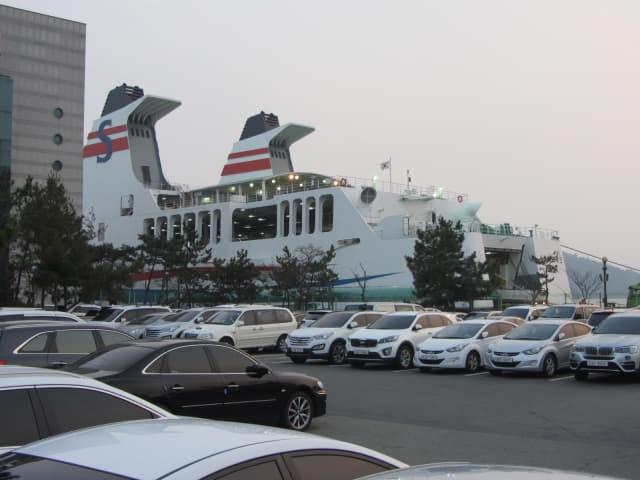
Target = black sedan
(201,378)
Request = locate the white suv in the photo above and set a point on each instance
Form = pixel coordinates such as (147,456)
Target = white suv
(613,347)
(247,326)
(327,336)
(394,337)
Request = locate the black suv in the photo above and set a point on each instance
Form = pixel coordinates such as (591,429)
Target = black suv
(53,344)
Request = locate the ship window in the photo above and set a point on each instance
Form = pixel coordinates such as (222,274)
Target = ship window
(204,219)
(190,223)
(310,209)
(297,215)
(254,223)
(176,226)
(326,206)
(285,219)
(218,224)
(149,227)
(146,175)
(162,221)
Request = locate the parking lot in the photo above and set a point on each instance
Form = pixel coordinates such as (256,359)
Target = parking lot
(452,416)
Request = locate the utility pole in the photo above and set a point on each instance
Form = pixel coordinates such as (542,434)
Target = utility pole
(604,277)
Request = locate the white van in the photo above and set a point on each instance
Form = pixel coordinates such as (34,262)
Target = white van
(388,307)
(247,326)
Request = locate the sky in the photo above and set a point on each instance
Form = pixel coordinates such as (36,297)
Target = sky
(530,106)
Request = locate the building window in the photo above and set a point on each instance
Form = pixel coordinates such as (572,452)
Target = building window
(58,112)
(56,165)
(57,139)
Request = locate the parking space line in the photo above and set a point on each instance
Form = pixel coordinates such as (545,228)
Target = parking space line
(405,370)
(558,379)
(474,374)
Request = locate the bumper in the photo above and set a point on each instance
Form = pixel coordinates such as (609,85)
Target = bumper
(441,360)
(517,363)
(309,351)
(320,404)
(617,363)
(385,353)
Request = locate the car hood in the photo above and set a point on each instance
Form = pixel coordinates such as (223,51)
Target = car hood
(373,334)
(609,339)
(443,343)
(515,346)
(310,332)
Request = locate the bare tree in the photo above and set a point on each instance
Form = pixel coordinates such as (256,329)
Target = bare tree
(362,283)
(586,283)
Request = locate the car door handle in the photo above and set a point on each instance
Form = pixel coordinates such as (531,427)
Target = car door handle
(58,364)
(233,386)
(177,388)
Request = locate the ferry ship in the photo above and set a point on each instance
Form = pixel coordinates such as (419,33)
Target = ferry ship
(262,204)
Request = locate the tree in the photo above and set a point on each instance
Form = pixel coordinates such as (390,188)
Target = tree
(586,283)
(547,264)
(286,276)
(234,280)
(111,269)
(362,283)
(441,273)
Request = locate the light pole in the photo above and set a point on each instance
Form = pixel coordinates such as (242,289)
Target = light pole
(604,277)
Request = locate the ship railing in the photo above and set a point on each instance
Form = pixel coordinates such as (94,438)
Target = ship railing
(503,229)
(407,189)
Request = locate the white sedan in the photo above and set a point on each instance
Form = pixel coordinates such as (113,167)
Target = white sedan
(188,448)
(460,345)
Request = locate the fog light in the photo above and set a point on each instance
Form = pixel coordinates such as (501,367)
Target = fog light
(386,352)
(530,363)
(318,347)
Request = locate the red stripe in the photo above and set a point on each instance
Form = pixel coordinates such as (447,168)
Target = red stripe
(100,148)
(247,153)
(244,167)
(108,131)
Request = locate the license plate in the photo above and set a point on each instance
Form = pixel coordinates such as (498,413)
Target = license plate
(429,356)
(597,363)
(297,349)
(503,359)
(361,351)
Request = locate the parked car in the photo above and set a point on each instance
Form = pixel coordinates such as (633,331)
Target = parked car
(327,337)
(188,448)
(598,315)
(137,327)
(394,337)
(469,471)
(207,379)
(388,307)
(540,346)
(460,345)
(35,314)
(176,324)
(613,347)
(36,403)
(85,309)
(121,314)
(248,326)
(306,319)
(526,312)
(579,312)
(53,344)
(482,314)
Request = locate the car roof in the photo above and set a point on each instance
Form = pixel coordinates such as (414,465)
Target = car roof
(485,321)
(215,441)
(554,321)
(45,325)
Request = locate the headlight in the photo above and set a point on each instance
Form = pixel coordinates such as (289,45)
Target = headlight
(457,348)
(627,349)
(388,339)
(322,336)
(578,348)
(319,385)
(173,328)
(534,350)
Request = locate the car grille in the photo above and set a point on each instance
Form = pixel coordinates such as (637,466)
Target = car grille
(432,362)
(153,332)
(432,352)
(601,351)
(505,354)
(498,363)
(356,342)
(299,341)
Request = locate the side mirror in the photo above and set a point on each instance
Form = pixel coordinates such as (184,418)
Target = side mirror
(353,325)
(417,327)
(561,336)
(257,370)
(197,320)
(239,323)
(485,334)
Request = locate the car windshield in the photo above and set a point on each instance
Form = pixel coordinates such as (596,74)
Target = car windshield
(619,324)
(115,358)
(532,331)
(224,317)
(471,315)
(185,316)
(459,330)
(516,312)
(392,322)
(559,311)
(147,319)
(333,320)
(107,315)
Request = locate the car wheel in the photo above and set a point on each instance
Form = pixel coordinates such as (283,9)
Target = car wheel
(337,353)
(472,364)
(226,340)
(281,344)
(298,359)
(495,373)
(404,357)
(581,375)
(357,364)
(298,412)
(549,366)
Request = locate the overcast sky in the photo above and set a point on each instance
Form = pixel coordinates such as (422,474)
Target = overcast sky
(529,106)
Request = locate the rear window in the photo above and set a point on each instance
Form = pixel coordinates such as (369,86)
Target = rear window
(113,359)
(107,315)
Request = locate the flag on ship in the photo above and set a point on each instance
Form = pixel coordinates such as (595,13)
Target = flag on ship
(385,165)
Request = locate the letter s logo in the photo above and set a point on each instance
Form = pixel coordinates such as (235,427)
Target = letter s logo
(106,140)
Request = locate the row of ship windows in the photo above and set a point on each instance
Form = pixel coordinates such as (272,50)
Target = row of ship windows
(288,218)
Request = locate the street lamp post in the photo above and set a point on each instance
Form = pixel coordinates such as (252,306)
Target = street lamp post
(604,278)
